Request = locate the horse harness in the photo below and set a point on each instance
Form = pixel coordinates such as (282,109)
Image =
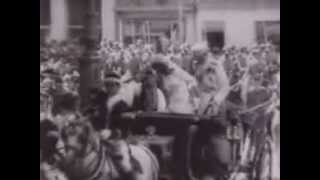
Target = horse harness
(114,171)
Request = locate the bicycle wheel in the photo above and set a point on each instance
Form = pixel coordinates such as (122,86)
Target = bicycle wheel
(263,169)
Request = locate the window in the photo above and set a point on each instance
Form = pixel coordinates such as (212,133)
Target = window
(76,12)
(134,29)
(213,32)
(77,17)
(149,30)
(268,31)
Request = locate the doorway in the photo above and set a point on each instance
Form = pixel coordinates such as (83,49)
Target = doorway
(215,39)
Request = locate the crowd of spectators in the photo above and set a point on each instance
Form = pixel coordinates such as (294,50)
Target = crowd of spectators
(59,63)
(247,68)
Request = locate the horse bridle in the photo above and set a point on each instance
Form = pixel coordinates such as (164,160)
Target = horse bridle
(98,172)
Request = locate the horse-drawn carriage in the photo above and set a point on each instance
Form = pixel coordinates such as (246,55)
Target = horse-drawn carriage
(252,161)
(251,148)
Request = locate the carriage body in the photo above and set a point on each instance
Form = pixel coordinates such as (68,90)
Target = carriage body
(166,125)
(161,141)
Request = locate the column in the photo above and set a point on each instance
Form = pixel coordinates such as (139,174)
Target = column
(133,32)
(108,19)
(149,31)
(59,20)
(194,20)
(144,31)
(181,21)
(120,31)
(190,29)
(90,65)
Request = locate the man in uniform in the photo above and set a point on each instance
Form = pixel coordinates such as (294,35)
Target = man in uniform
(210,153)
(213,90)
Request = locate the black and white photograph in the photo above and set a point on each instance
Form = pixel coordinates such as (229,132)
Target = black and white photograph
(159,89)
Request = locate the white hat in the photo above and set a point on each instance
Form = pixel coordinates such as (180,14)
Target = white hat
(203,46)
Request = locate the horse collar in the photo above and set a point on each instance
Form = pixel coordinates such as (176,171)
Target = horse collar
(99,170)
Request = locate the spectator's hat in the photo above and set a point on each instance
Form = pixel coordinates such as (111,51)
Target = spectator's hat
(139,41)
(148,47)
(255,50)
(216,50)
(49,72)
(112,77)
(160,64)
(121,45)
(257,68)
(131,46)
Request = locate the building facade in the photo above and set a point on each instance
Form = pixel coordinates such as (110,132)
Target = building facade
(220,22)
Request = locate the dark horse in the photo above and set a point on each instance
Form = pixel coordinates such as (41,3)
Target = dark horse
(86,157)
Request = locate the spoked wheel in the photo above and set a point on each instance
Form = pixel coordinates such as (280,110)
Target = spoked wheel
(263,169)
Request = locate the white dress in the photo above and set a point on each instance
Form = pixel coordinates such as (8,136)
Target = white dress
(177,95)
